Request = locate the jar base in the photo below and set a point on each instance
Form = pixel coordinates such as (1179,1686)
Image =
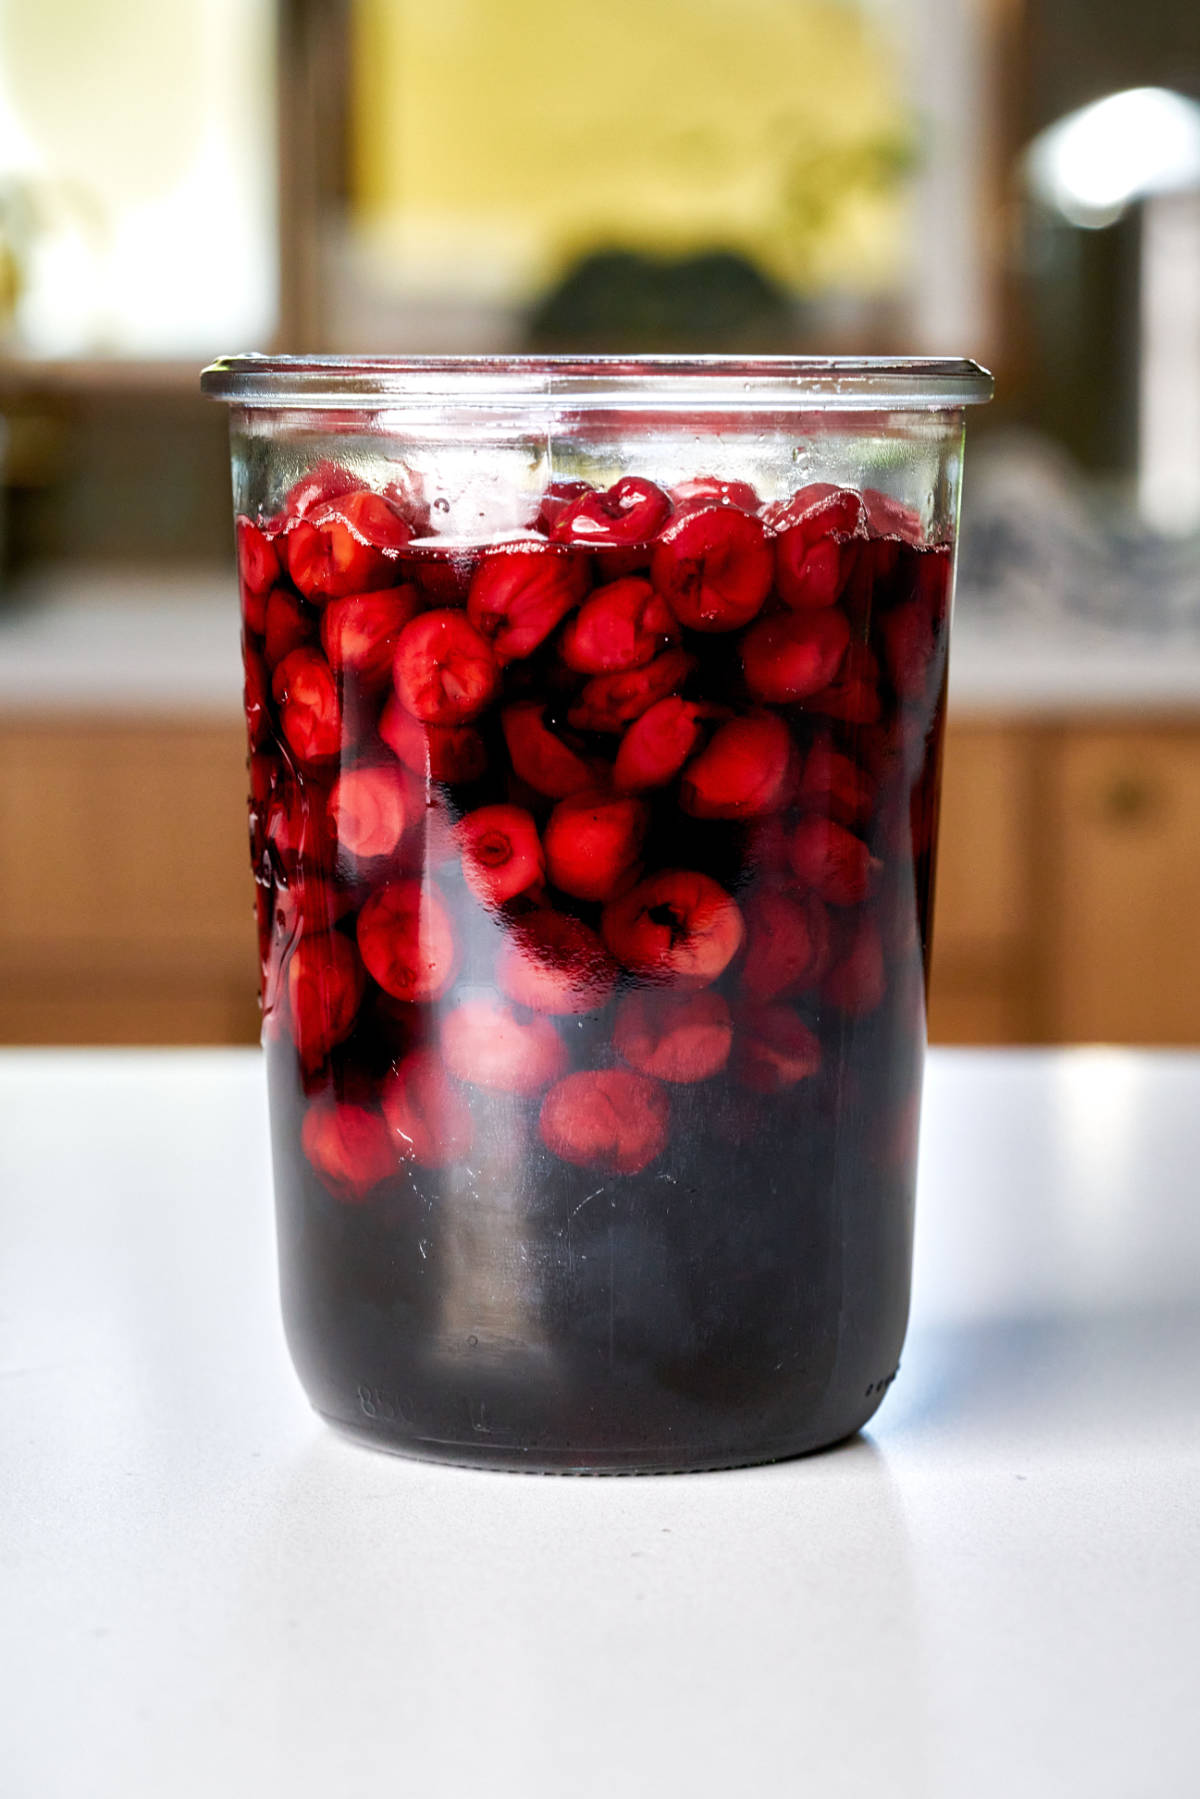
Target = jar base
(609,1460)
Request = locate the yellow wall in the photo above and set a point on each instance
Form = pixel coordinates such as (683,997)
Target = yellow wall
(497,138)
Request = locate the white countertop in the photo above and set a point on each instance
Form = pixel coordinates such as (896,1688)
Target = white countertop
(110,640)
(995,1593)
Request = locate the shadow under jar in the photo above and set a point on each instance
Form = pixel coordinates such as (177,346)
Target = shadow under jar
(595,713)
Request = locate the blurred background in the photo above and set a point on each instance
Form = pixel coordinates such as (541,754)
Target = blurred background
(1017,180)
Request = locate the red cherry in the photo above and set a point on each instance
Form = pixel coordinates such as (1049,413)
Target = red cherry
(745,770)
(815,550)
(521,592)
(714,568)
(853,697)
(656,745)
(428,1118)
(913,633)
(257,805)
(287,625)
(266,772)
(767,848)
(857,981)
(680,1037)
(787,944)
(501,853)
(593,843)
(408,492)
(347,545)
(887,517)
(606,1120)
(450,753)
(909,646)
(833,508)
(323,482)
(372,518)
(676,927)
(830,507)
(883,559)
(307,905)
(795,654)
(349,1146)
(325,988)
(610,702)
(539,756)
(297,824)
(254,613)
(859,597)
(811,574)
(622,626)
(359,632)
(258,563)
(834,784)
(310,713)
(815,558)
(553,962)
(406,940)
(484,1042)
(710,490)
(255,693)
(445,671)
(369,810)
(831,862)
(631,511)
(774,1049)
(557,497)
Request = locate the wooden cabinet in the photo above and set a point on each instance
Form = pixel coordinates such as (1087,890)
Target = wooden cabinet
(1123,956)
(126,904)
(985,912)
(1068,901)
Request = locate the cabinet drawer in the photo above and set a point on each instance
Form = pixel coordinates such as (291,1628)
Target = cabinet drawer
(983,900)
(124,836)
(1125,955)
(126,903)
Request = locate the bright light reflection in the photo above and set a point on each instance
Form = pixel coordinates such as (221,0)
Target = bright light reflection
(1092,164)
(1100,1094)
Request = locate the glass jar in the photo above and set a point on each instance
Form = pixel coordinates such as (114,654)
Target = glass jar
(595,714)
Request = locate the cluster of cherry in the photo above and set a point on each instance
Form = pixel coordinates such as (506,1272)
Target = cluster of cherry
(540,732)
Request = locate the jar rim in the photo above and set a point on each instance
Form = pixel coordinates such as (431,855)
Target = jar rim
(770,383)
